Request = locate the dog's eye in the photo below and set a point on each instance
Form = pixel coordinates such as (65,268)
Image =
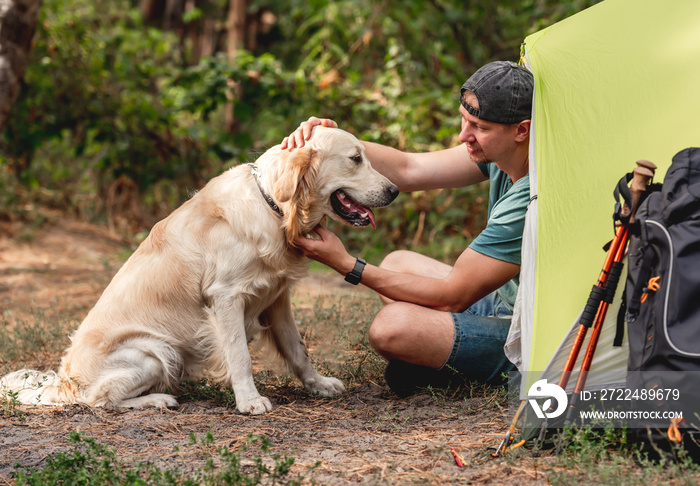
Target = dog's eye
(357,159)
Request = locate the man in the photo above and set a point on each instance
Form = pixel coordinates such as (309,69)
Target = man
(440,317)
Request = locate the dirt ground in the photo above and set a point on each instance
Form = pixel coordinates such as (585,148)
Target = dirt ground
(365,436)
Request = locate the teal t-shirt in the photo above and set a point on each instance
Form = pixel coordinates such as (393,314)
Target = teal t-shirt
(503,236)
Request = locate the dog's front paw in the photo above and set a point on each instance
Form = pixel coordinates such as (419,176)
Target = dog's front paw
(254,405)
(325,386)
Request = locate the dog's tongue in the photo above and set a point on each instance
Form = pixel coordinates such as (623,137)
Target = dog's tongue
(370,215)
(354,207)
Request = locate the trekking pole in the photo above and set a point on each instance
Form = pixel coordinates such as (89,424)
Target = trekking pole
(609,276)
(640,179)
(593,303)
(612,269)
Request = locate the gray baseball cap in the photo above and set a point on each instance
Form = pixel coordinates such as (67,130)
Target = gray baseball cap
(504,92)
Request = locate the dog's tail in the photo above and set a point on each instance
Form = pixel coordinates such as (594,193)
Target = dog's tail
(37,388)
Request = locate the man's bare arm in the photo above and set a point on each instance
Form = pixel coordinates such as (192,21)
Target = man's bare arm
(473,276)
(441,169)
(409,171)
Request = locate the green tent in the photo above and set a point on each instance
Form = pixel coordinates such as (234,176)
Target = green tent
(615,83)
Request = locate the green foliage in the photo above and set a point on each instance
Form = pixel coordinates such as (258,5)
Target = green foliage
(10,405)
(92,463)
(605,455)
(218,394)
(392,70)
(115,121)
(26,340)
(262,106)
(94,96)
(88,463)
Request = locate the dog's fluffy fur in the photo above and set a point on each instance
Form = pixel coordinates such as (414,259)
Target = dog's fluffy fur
(209,277)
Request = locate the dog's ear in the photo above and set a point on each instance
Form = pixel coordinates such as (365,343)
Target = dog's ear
(294,187)
(294,172)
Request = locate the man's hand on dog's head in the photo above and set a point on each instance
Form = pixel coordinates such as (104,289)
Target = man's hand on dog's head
(298,137)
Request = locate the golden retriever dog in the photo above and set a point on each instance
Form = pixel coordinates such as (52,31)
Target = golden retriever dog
(208,278)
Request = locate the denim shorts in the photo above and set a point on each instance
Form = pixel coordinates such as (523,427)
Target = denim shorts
(480,334)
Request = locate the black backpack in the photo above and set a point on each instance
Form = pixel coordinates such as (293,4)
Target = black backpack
(662,298)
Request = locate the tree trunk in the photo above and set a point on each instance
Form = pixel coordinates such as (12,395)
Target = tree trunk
(236,26)
(172,17)
(235,39)
(17,26)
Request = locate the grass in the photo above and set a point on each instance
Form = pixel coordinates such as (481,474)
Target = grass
(393,420)
(10,406)
(339,326)
(594,456)
(202,390)
(350,358)
(28,342)
(93,463)
(609,456)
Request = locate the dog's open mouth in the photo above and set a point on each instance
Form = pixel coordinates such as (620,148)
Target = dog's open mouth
(351,211)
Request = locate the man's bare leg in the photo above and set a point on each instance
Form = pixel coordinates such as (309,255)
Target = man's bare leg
(409,332)
(413,263)
(413,334)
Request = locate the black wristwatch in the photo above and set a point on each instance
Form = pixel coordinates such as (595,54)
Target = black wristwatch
(355,275)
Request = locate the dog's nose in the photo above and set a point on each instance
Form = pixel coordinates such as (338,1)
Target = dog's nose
(392,191)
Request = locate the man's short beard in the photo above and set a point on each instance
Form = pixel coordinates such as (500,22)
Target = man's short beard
(480,158)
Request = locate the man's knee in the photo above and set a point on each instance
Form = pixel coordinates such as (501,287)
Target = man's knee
(395,261)
(388,328)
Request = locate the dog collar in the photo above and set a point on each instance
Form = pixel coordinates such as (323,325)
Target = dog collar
(268,199)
